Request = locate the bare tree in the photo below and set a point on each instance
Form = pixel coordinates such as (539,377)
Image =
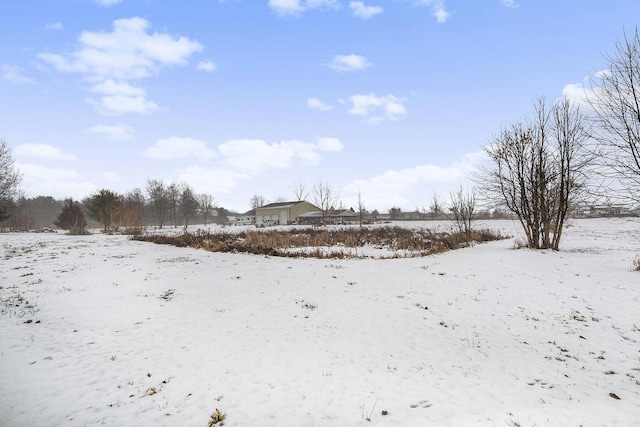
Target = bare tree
(188,203)
(395,212)
(299,191)
(36,212)
(435,206)
(158,194)
(279,199)
(615,99)
(324,198)
(362,210)
(21,218)
(463,210)
(132,215)
(10,179)
(206,206)
(538,169)
(173,199)
(257,201)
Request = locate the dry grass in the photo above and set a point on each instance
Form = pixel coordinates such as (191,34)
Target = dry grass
(326,243)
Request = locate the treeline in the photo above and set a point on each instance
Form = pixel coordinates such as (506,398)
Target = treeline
(161,205)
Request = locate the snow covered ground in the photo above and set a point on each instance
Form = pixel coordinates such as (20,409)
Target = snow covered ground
(103,330)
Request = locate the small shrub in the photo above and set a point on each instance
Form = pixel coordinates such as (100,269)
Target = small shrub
(519,244)
(636,263)
(132,231)
(217,417)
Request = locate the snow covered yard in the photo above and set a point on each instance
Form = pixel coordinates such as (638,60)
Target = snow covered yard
(103,330)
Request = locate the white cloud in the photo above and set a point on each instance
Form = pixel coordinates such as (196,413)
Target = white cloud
(377,108)
(315,4)
(437,8)
(580,93)
(210,180)
(254,156)
(112,87)
(392,187)
(576,92)
(122,98)
(296,7)
(349,63)
(179,148)
(118,132)
(329,144)
(107,3)
(55,182)
(121,104)
(54,26)
(365,12)
(13,75)
(510,3)
(111,60)
(42,151)
(286,7)
(207,66)
(316,104)
(42,173)
(239,160)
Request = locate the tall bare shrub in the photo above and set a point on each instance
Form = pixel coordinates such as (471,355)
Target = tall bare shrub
(615,99)
(538,168)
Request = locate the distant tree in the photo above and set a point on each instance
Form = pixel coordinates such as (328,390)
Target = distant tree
(395,213)
(132,211)
(362,210)
(435,206)
(21,218)
(188,203)
(157,192)
(257,201)
(463,210)
(104,206)
(299,191)
(615,99)
(10,180)
(223,216)
(538,169)
(206,206)
(280,199)
(36,212)
(72,218)
(43,210)
(324,197)
(173,198)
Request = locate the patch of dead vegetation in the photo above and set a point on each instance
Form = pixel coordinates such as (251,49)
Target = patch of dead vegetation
(312,243)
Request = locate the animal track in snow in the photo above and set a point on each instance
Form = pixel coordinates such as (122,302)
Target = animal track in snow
(422,404)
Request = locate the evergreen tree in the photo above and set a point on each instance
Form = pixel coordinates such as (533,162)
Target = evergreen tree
(72,218)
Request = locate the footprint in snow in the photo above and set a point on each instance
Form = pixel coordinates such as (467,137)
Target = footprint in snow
(422,404)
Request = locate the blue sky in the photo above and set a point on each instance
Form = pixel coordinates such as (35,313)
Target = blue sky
(393,99)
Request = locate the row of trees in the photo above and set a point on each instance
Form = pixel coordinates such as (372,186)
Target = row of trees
(166,204)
